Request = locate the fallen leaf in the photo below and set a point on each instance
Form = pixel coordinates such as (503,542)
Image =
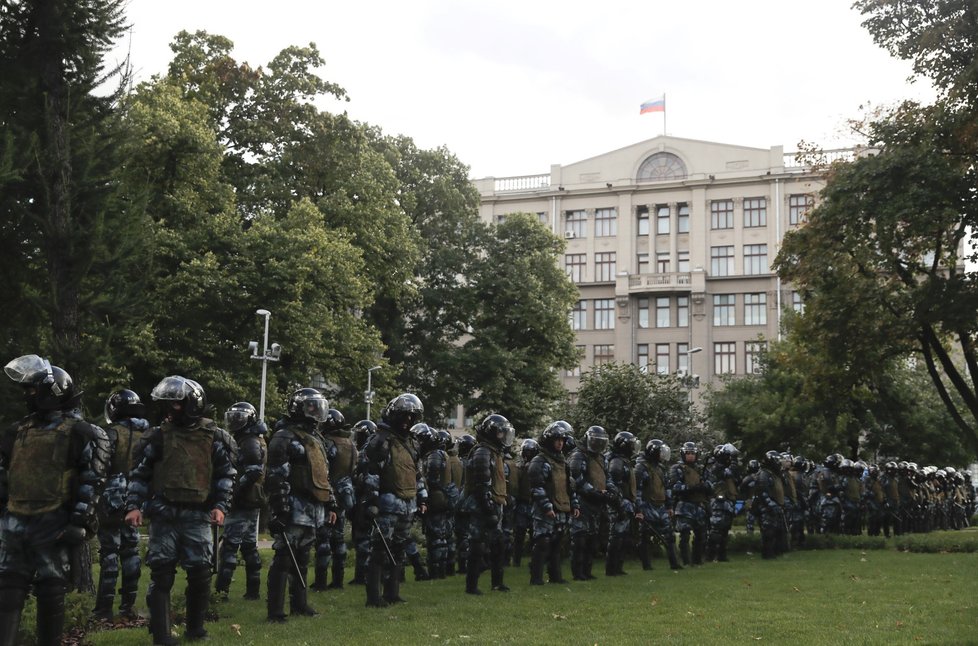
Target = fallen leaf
(795,588)
(237,629)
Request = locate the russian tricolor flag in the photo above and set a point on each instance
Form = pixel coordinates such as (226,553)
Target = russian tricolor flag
(654,105)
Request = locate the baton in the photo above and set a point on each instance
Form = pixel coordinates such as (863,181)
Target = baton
(295,563)
(214,537)
(383,540)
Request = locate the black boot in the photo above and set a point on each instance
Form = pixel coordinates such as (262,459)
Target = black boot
(359,569)
(712,548)
(222,583)
(684,548)
(697,550)
(320,582)
(722,549)
(577,558)
(51,606)
(420,572)
(253,583)
(298,594)
(392,589)
(374,575)
(553,566)
(198,599)
(671,554)
(158,600)
(474,569)
(275,595)
(13,593)
(643,553)
(338,571)
(105,595)
(127,594)
(538,556)
(496,568)
(614,558)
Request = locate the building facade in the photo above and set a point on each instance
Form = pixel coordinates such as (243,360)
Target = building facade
(670,242)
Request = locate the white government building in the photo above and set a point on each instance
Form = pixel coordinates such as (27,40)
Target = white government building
(670,242)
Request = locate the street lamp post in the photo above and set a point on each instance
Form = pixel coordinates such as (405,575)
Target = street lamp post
(368,395)
(267,354)
(692,380)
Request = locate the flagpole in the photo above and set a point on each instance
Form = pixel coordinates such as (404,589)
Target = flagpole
(663,114)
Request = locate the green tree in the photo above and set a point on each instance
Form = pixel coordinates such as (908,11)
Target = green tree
(520,333)
(623,397)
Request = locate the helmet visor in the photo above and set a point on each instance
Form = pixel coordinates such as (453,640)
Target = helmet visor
(597,444)
(316,408)
(665,453)
(22,369)
(173,388)
(508,436)
(236,419)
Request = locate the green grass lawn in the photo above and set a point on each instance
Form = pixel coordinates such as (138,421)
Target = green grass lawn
(808,597)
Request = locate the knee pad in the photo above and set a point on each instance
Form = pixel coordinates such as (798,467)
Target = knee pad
(131,566)
(251,556)
(110,564)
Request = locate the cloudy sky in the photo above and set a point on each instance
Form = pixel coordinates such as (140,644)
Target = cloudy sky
(512,87)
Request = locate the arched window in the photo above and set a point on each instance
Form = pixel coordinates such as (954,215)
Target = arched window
(661,166)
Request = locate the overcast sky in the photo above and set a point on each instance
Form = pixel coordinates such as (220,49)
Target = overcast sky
(513,86)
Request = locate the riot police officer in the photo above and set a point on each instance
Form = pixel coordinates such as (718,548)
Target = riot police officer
(485,497)
(690,494)
(589,473)
(523,511)
(655,502)
(241,523)
(52,464)
(360,524)
(829,483)
(723,476)
(342,456)
(118,543)
(769,505)
(300,498)
(182,481)
(442,497)
(621,480)
(456,476)
(394,490)
(555,503)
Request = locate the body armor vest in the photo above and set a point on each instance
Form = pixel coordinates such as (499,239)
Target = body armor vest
(523,487)
(455,470)
(183,474)
(125,439)
(399,475)
(557,485)
(853,490)
(345,461)
(255,496)
(627,485)
(512,478)
(39,479)
(790,490)
(437,499)
(692,478)
(498,478)
(777,489)
(877,490)
(728,489)
(654,490)
(311,478)
(595,472)
(892,489)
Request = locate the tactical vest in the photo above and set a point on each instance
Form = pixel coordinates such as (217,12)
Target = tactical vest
(311,478)
(512,478)
(345,461)
(892,489)
(437,499)
(254,497)
(556,487)
(595,472)
(455,470)
(692,478)
(399,475)
(853,490)
(627,486)
(124,436)
(791,492)
(39,479)
(728,489)
(877,490)
(777,489)
(498,479)
(654,489)
(523,489)
(183,474)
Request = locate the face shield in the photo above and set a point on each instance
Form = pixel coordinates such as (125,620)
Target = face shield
(236,419)
(173,388)
(316,408)
(23,369)
(507,436)
(664,453)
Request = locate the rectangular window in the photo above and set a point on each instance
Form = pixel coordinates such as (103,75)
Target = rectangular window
(642,262)
(604,266)
(643,313)
(662,312)
(642,221)
(574,265)
(643,356)
(722,261)
(755,212)
(682,225)
(682,311)
(682,262)
(662,219)
(755,309)
(576,371)
(604,314)
(604,353)
(752,352)
(798,207)
(579,316)
(797,304)
(662,358)
(576,224)
(682,358)
(724,358)
(605,223)
(724,306)
(755,259)
(662,262)
(721,214)
(500,219)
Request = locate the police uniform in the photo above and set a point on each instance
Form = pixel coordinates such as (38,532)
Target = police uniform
(589,473)
(331,549)
(555,503)
(690,494)
(655,503)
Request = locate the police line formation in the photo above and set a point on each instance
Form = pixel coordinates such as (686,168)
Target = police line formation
(481,506)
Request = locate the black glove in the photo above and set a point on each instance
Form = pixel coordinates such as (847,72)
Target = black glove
(278,524)
(371,511)
(74,535)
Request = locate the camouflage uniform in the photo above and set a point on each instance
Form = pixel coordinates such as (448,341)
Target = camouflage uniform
(331,549)
(552,491)
(442,498)
(723,478)
(689,493)
(589,473)
(655,503)
(769,507)
(622,482)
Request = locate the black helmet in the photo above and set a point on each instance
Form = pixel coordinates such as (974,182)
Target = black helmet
(529,449)
(362,431)
(657,451)
(753,466)
(334,422)
(307,404)
(595,439)
(46,387)
(403,412)
(800,463)
(123,404)
(625,444)
(445,440)
(239,416)
(689,448)
(833,461)
(425,437)
(565,427)
(554,432)
(497,430)
(184,399)
(465,444)
(772,460)
(726,454)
